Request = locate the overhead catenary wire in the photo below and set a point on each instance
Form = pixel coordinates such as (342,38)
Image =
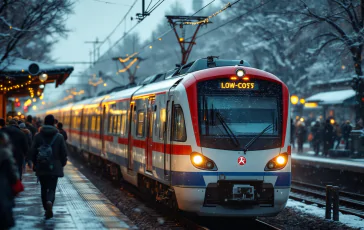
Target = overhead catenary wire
(231,20)
(121,21)
(107,2)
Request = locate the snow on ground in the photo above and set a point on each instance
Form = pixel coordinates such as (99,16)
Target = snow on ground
(349,220)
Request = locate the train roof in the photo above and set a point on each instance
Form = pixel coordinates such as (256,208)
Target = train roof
(123,94)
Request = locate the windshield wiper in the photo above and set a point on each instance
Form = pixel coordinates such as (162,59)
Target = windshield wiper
(227,129)
(245,149)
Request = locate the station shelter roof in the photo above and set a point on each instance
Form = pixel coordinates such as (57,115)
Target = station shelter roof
(344,97)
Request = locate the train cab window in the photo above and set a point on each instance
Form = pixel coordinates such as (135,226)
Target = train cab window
(162,123)
(179,128)
(140,124)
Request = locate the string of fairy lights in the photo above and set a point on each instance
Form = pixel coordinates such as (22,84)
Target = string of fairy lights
(206,20)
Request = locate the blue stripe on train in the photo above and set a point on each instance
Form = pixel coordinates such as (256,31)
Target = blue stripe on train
(196,178)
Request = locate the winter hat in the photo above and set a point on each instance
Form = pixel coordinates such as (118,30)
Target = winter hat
(49,120)
(22,126)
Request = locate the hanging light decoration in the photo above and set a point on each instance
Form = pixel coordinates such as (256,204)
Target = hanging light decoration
(43,77)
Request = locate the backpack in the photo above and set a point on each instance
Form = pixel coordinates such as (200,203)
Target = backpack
(45,156)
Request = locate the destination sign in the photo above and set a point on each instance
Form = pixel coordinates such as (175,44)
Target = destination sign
(238,85)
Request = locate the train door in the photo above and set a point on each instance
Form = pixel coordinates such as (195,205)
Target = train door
(102,130)
(149,144)
(130,136)
(167,139)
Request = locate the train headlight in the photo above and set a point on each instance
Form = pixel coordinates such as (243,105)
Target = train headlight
(277,163)
(197,160)
(240,73)
(202,162)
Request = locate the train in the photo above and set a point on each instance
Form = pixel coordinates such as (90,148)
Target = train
(211,139)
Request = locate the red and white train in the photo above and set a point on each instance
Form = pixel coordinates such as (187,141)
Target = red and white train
(213,139)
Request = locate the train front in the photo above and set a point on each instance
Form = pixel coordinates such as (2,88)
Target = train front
(242,165)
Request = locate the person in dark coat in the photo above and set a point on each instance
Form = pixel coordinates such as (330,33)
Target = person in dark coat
(19,143)
(316,137)
(48,179)
(29,125)
(346,130)
(292,132)
(328,136)
(8,178)
(2,123)
(61,130)
(301,136)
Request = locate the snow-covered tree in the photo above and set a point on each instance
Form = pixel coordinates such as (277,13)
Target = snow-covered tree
(28,28)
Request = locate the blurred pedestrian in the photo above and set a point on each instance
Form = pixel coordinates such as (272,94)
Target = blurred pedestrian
(27,132)
(61,130)
(49,154)
(9,182)
(19,144)
(359,124)
(301,133)
(316,137)
(2,123)
(346,130)
(293,130)
(327,136)
(30,125)
(337,135)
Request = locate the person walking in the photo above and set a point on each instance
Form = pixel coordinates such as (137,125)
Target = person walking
(346,130)
(9,182)
(61,130)
(337,135)
(293,131)
(29,125)
(27,132)
(49,154)
(316,137)
(19,144)
(2,123)
(327,137)
(301,136)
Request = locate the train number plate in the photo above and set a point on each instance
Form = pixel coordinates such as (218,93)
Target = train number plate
(243,192)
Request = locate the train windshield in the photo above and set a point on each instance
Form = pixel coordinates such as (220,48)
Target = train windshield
(229,119)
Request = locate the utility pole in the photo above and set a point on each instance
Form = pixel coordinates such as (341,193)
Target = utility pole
(181,21)
(96,50)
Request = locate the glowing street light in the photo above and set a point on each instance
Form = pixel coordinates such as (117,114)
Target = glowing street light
(302,101)
(294,99)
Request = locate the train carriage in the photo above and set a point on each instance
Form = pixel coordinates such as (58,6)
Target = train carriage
(212,139)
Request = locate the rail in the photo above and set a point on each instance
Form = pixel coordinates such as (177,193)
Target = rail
(349,203)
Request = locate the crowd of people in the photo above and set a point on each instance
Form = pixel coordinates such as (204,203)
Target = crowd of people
(41,148)
(322,136)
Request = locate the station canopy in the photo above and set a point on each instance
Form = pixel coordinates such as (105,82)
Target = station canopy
(20,77)
(344,97)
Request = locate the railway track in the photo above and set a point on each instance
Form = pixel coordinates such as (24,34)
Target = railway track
(179,220)
(349,203)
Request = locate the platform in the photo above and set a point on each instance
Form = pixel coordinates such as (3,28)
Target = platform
(345,164)
(78,205)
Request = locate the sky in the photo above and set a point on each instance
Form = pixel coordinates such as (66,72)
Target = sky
(95,19)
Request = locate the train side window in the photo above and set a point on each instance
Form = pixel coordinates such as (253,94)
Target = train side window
(123,125)
(140,124)
(93,123)
(110,123)
(118,126)
(98,123)
(85,123)
(179,128)
(162,123)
